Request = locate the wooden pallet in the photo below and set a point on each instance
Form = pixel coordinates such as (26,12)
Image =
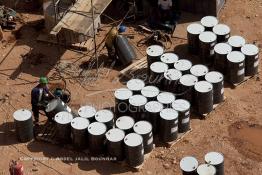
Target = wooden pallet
(245,80)
(47,134)
(179,138)
(215,106)
(136,68)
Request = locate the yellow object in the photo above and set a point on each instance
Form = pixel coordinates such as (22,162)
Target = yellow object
(112,34)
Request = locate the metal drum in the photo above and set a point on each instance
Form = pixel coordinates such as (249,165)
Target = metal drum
(125,123)
(193,32)
(154,53)
(134,149)
(144,128)
(96,137)
(222,31)
(137,106)
(221,52)
(217,160)
(150,92)
(157,70)
(203,97)
(206,169)
(153,109)
(183,108)
(171,78)
(189,165)
(251,53)
(63,126)
(208,41)
(115,144)
(209,22)
(105,116)
(87,112)
(236,42)
(79,127)
(55,106)
(235,67)
(217,80)
(169,58)
(199,71)
(186,85)
(183,65)
(166,98)
(135,85)
(122,96)
(168,130)
(23,125)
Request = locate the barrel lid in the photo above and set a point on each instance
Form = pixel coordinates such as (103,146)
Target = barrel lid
(214,158)
(222,48)
(206,169)
(209,21)
(158,67)
(169,58)
(166,97)
(173,74)
(150,91)
(142,127)
(250,49)
(52,105)
(188,80)
(203,86)
(181,105)
(125,122)
(154,106)
(22,115)
(189,164)
(97,128)
(169,114)
(123,94)
(115,135)
(133,139)
(135,84)
(155,50)
(63,117)
(137,100)
(87,112)
(236,41)
(207,37)
(104,116)
(80,123)
(199,70)
(214,77)
(221,29)
(195,28)
(183,65)
(236,57)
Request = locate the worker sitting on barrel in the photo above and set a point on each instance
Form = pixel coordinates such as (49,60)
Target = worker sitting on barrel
(165,9)
(110,43)
(40,96)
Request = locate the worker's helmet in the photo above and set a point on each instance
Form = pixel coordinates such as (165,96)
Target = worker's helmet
(43,80)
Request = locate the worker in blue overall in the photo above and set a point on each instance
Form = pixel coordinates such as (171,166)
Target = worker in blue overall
(40,96)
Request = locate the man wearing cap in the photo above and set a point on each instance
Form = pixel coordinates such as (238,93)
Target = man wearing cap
(39,95)
(110,43)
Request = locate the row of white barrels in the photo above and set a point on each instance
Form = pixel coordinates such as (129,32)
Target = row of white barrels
(214,165)
(213,43)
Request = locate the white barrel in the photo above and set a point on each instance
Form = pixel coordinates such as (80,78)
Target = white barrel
(222,31)
(169,58)
(206,169)
(236,42)
(235,67)
(122,96)
(217,160)
(183,65)
(199,71)
(186,87)
(79,127)
(114,144)
(105,116)
(157,70)
(63,126)
(135,85)
(96,138)
(166,98)
(154,53)
(217,80)
(221,52)
(209,22)
(87,112)
(150,92)
(137,106)
(189,165)
(171,78)
(208,41)
(125,123)
(251,53)
(193,32)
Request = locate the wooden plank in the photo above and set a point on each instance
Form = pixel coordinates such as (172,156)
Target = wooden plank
(79,17)
(245,80)
(135,65)
(179,138)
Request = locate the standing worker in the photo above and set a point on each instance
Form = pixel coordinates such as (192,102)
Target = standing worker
(110,43)
(165,9)
(39,97)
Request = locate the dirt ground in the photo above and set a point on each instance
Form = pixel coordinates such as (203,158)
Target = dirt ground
(233,129)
